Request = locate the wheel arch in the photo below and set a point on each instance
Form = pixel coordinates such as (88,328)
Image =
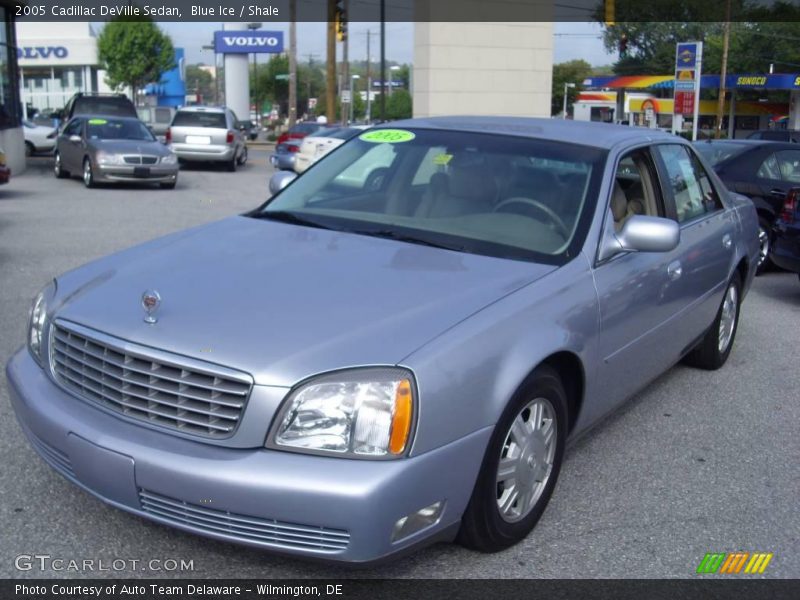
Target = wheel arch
(573,377)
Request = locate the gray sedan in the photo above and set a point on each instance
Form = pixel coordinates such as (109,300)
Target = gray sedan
(112,150)
(397,347)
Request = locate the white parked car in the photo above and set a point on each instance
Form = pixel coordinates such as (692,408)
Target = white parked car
(317,145)
(38,138)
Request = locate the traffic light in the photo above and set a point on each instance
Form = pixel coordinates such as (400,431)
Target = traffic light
(341,21)
(623,44)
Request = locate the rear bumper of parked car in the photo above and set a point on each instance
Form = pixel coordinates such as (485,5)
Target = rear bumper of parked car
(130,174)
(318,507)
(202,153)
(5,174)
(785,251)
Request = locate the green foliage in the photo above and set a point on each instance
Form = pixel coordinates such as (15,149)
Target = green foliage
(398,106)
(573,71)
(134,53)
(200,81)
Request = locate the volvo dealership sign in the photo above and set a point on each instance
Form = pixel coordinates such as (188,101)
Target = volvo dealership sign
(246,42)
(42,52)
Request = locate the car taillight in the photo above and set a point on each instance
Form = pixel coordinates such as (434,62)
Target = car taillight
(229,138)
(168,136)
(790,206)
(292,148)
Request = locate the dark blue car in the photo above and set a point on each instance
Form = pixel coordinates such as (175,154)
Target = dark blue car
(786,234)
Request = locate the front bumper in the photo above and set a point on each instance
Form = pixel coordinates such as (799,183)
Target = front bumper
(326,508)
(785,251)
(200,152)
(127,173)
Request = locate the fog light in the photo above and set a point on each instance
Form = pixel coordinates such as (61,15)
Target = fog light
(417,521)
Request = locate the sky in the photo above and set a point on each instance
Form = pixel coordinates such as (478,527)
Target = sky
(571,41)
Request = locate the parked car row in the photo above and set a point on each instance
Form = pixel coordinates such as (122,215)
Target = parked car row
(106,140)
(766,172)
(305,143)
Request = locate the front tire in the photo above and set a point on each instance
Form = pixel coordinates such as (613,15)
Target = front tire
(88,173)
(716,345)
(29,149)
(520,467)
(58,170)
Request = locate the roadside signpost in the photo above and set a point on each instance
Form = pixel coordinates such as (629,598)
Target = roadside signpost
(688,69)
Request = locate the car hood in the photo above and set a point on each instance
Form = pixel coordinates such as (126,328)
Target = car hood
(284,302)
(154,148)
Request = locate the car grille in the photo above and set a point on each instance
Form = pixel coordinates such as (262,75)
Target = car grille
(140,160)
(268,532)
(166,393)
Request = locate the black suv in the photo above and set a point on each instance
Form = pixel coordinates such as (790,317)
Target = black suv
(109,105)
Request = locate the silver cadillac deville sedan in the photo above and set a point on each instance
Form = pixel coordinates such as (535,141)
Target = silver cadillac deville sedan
(398,346)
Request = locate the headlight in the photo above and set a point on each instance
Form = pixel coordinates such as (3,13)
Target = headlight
(109,158)
(169,159)
(37,320)
(361,413)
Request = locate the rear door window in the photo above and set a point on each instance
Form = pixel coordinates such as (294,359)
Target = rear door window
(187,118)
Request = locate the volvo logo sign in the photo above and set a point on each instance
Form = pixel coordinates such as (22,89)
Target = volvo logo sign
(246,42)
(42,52)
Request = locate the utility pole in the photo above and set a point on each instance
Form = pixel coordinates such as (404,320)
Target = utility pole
(369,35)
(346,65)
(330,72)
(724,70)
(292,62)
(383,60)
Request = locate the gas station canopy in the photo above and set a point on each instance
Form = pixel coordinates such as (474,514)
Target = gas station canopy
(774,81)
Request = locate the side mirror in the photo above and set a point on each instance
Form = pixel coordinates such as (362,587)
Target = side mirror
(75,139)
(640,233)
(280,180)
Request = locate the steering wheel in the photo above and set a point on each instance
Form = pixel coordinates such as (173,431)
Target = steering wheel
(376,179)
(549,212)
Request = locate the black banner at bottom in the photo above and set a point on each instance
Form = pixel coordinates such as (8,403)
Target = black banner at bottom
(414,589)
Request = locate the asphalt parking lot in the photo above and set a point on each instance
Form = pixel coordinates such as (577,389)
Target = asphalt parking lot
(700,462)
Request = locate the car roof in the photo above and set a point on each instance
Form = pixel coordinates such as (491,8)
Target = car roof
(89,117)
(750,143)
(587,133)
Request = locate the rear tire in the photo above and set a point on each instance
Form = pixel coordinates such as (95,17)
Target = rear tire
(232,164)
(716,345)
(764,245)
(243,157)
(519,460)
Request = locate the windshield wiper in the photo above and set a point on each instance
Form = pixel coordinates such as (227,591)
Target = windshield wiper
(285,216)
(404,237)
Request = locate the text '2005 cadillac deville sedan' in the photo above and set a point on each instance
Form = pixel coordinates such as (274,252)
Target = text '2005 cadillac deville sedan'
(394,349)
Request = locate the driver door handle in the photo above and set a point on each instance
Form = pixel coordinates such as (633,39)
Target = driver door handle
(675,270)
(726,241)
(777,192)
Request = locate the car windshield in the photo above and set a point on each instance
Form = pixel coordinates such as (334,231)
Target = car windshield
(117,129)
(487,194)
(345,133)
(192,118)
(99,105)
(305,128)
(325,132)
(717,152)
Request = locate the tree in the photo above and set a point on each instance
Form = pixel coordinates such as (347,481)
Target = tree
(573,71)
(202,81)
(134,53)
(398,106)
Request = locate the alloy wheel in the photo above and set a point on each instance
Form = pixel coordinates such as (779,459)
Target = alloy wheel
(526,460)
(727,320)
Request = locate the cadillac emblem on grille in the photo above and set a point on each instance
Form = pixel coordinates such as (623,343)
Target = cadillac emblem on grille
(151,300)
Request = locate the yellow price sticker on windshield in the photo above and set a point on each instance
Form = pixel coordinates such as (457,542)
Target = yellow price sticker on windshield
(387,136)
(442,159)
(97,121)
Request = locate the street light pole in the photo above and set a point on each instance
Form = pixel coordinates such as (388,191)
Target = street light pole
(566,87)
(352,97)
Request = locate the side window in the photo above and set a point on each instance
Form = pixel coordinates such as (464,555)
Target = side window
(634,191)
(789,165)
(690,185)
(769,168)
(73,128)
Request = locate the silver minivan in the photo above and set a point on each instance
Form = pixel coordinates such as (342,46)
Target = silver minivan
(207,134)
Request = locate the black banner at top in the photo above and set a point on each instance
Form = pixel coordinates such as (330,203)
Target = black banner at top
(278,11)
